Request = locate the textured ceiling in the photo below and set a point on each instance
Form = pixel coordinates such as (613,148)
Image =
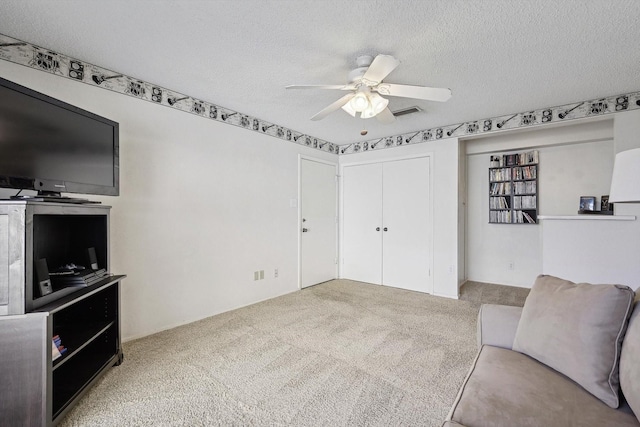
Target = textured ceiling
(497,56)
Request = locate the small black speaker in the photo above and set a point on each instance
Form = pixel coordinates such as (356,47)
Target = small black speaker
(42,275)
(93,259)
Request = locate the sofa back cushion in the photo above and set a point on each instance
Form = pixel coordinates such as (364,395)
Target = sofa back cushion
(630,362)
(577,329)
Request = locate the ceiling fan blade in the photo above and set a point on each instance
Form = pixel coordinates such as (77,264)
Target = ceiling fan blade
(333,107)
(440,94)
(386,116)
(380,68)
(339,87)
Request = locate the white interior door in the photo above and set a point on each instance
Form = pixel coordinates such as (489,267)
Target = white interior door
(319,234)
(362,223)
(406,220)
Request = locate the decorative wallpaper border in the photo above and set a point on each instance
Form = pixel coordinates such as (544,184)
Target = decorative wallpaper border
(43,59)
(561,113)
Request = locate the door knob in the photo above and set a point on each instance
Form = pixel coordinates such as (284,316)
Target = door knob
(304,230)
(377,228)
(304,220)
(384,229)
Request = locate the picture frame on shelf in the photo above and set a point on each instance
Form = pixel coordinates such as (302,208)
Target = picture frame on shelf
(587,204)
(606,208)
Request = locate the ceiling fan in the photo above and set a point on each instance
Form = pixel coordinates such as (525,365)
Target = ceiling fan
(365,87)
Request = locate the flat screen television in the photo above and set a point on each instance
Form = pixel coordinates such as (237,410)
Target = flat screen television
(53,147)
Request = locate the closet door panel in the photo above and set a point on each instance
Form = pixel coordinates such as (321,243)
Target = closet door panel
(362,215)
(406,244)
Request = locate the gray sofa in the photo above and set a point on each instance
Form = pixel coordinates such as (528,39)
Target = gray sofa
(506,387)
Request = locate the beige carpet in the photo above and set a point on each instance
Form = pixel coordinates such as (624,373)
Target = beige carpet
(336,354)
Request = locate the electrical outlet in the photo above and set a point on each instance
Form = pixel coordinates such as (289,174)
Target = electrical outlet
(261,274)
(256,275)
(511,266)
(275,273)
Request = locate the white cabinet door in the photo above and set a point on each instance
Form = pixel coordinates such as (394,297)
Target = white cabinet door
(362,223)
(406,254)
(318,208)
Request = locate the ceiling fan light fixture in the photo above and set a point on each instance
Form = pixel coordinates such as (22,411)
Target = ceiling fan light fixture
(367,90)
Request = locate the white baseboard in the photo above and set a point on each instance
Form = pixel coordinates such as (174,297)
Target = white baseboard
(446,295)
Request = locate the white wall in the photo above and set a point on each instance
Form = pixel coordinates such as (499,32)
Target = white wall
(626,135)
(599,251)
(575,161)
(202,206)
(592,250)
(444,154)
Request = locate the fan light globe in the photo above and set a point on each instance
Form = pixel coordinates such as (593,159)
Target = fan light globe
(368,113)
(378,103)
(360,102)
(347,107)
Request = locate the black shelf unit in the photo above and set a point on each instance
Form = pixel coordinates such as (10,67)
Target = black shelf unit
(513,188)
(86,318)
(88,325)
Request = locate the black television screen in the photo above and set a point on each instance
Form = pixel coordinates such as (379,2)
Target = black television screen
(51,146)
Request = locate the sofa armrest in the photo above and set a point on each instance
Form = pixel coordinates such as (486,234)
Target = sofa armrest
(497,325)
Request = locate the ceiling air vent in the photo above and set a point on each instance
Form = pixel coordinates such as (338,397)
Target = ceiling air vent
(406,111)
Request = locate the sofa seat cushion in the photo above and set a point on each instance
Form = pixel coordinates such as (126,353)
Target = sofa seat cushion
(507,388)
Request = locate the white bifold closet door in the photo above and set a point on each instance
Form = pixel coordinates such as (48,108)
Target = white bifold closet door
(362,209)
(387,224)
